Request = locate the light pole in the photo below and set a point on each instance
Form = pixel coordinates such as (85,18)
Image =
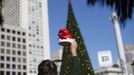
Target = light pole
(119,44)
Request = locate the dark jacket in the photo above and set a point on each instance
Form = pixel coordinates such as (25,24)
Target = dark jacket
(75,66)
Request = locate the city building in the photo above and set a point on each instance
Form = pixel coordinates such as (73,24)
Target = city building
(108,71)
(38,32)
(13,51)
(57,57)
(29,17)
(129,54)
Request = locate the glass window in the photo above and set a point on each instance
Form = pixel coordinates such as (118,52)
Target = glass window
(13,59)
(2,30)
(7,73)
(8,44)
(24,73)
(8,58)
(24,67)
(19,40)
(1,72)
(19,73)
(8,37)
(8,51)
(8,30)
(13,38)
(1,65)
(8,66)
(19,46)
(14,52)
(13,73)
(24,53)
(2,58)
(13,32)
(2,50)
(2,36)
(14,45)
(14,66)
(24,46)
(19,52)
(19,66)
(24,40)
(2,43)
(24,60)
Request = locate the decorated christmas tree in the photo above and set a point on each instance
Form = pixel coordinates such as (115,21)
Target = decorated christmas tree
(84,60)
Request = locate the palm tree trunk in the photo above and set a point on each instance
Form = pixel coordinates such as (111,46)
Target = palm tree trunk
(119,44)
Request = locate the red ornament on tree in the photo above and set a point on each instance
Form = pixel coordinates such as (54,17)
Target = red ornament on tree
(65,37)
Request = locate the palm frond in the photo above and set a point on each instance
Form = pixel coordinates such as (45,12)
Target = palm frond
(123,8)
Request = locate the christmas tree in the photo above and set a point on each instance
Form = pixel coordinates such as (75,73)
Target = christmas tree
(85,63)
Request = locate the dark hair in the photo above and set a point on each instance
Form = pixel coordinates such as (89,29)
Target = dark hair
(47,67)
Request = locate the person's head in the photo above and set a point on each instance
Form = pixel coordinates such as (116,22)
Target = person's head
(47,67)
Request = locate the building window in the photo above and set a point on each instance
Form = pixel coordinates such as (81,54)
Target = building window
(13,38)
(19,59)
(2,36)
(8,30)
(24,46)
(2,50)
(19,52)
(8,51)
(7,73)
(8,66)
(14,66)
(8,37)
(2,30)
(13,73)
(24,73)
(24,60)
(19,40)
(1,72)
(8,44)
(24,40)
(13,59)
(24,53)
(23,33)
(18,32)
(19,46)
(2,43)
(19,66)
(14,52)
(24,67)
(19,73)
(13,32)
(14,45)
(1,65)
(2,58)
(8,58)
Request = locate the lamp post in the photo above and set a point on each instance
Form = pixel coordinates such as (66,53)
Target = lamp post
(119,44)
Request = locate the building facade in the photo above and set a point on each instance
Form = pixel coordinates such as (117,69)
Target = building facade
(29,17)
(13,51)
(129,54)
(108,71)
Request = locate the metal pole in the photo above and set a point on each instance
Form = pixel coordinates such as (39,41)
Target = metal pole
(119,44)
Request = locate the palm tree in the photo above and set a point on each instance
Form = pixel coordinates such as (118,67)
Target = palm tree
(123,8)
(1,17)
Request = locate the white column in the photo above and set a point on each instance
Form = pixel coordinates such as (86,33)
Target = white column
(119,44)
